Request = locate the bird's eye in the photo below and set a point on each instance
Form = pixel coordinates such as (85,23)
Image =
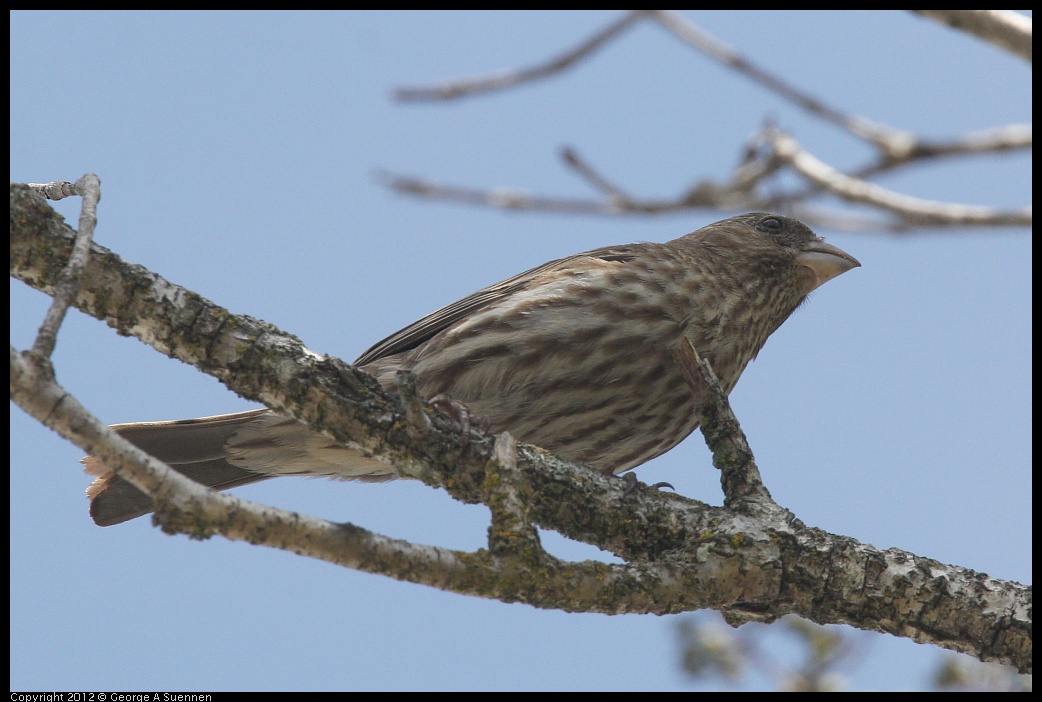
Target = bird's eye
(772,223)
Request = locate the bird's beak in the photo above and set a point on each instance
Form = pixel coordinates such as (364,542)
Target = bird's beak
(822,262)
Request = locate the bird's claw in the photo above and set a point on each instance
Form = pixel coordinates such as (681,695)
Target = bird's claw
(461,415)
(632,483)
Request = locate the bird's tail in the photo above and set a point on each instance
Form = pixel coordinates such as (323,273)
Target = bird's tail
(197,448)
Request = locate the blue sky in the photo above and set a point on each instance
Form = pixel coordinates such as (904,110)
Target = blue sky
(239,155)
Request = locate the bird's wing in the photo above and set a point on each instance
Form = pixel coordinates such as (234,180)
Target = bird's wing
(422,330)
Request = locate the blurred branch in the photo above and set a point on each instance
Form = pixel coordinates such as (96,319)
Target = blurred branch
(1006,29)
(755,183)
(959,674)
(708,650)
(736,195)
(910,209)
(886,139)
(451,90)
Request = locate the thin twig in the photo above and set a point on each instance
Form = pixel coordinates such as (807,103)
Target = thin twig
(740,478)
(883,137)
(504,198)
(1006,29)
(506,79)
(89,187)
(912,209)
(572,159)
(1010,137)
(705,196)
(746,190)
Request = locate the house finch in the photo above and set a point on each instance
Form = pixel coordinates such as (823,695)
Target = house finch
(577,356)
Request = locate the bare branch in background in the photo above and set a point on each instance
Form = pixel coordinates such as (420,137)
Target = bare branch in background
(757,183)
(451,90)
(910,209)
(883,137)
(1005,29)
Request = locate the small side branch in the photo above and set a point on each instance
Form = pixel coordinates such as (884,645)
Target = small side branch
(89,188)
(451,90)
(511,532)
(912,209)
(744,490)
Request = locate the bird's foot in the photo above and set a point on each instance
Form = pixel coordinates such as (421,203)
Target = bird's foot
(631,484)
(460,414)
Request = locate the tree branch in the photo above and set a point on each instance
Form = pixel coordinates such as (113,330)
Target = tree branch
(89,187)
(451,90)
(185,507)
(743,487)
(883,137)
(1006,29)
(682,555)
(912,209)
(749,187)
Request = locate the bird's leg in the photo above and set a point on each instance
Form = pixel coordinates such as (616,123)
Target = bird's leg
(631,484)
(459,413)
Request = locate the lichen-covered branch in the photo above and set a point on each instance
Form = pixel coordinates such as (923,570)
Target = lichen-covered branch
(680,554)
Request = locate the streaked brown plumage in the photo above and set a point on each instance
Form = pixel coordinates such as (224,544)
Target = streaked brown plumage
(576,356)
